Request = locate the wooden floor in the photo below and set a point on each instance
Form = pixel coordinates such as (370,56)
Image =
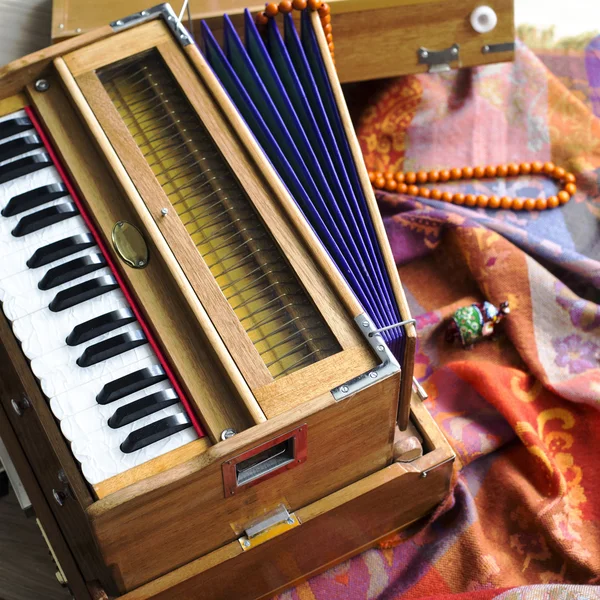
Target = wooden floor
(26,567)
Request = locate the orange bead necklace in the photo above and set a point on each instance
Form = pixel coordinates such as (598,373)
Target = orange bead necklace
(408,183)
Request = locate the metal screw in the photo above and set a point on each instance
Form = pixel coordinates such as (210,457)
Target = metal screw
(183,37)
(380,348)
(164,212)
(454,51)
(246,543)
(424,53)
(290,521)
(227,433)
(42,85)
(485,49)
(170,18)
(141,263)
(59,497)
(365,323)
(61,25)
(20,406)
(62,476)
(144,13)
(119,22)
(78,30)
(373,375)
(344,389)
(423,474)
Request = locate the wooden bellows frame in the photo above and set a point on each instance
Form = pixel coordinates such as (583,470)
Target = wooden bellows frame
(168,526)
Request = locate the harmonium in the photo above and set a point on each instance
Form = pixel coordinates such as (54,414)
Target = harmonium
(206,353)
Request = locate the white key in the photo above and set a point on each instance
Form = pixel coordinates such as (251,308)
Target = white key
(20,295)
(99,463)
(45,331)
(17,261)
(57,377)
(42,237)
(78,399)
(82,424)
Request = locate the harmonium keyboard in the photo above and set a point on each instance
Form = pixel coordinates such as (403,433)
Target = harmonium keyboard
(206,358)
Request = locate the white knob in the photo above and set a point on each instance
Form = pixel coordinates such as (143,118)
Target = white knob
(484,19)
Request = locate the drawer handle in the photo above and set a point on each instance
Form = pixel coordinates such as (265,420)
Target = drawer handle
(20,406)
(59,496)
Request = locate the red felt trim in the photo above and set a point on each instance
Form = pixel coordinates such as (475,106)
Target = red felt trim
(148,333)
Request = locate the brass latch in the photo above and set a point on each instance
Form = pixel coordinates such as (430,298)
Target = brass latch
(268,527)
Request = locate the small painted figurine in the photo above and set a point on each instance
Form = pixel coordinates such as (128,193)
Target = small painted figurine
(471,324)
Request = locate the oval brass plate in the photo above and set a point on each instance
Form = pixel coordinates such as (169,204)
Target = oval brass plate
(130,244)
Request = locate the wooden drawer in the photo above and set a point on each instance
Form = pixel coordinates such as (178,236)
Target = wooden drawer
(53,466)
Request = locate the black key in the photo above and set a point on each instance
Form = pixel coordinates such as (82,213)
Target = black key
(19,146)
(47,254)
(131,383)
(82,292)
(155,432)
(142,408)
(33,198)
(100,325)
(24,166)
(111,347)
(44,218)
(14,126)
(73,269)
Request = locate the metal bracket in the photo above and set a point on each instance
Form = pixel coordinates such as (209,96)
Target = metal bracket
(271,525)
(492,48)
(389,365)
(439,60)
(160,10)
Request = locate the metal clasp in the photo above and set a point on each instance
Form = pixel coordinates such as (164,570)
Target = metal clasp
(438,60)
(275,523)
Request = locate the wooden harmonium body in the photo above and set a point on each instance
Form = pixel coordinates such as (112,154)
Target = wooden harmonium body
(206,393)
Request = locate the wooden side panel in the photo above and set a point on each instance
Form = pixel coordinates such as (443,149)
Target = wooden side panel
(332,530)
(42,509)
(186,510)
(43,444)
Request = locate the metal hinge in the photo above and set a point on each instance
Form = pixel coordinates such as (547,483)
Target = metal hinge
(271,525)
(161,10)
(387,367)
(439,60)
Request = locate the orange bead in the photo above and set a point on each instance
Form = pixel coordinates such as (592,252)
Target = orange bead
(490,171)
(324,9)
(563,197)
(569,178)
(388,175)
(299,4)
(424,192)
(331,47)
(378,174)
(478,172)
(402,188)
(315,4)
(529,204)
(506,202)
(326,20)
(513,169)
(328,28)
(329,38)
(436,195)
(455,173)
(559,173)
(422,177)
(501,171)
(525,168)
(482,201)
(494,202)
(541,203)
(537,167)
(571,189)
(549,168)
(285,6)
(434,176)
(470,200)
(372,177)
(413,190)
(447,197)
(261,19)
(271,10)
(458,199)
(444,175)
(391,185)
(380,183)
(467,172)
(399,177)
(410,177)
(517,204)
(553,202)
